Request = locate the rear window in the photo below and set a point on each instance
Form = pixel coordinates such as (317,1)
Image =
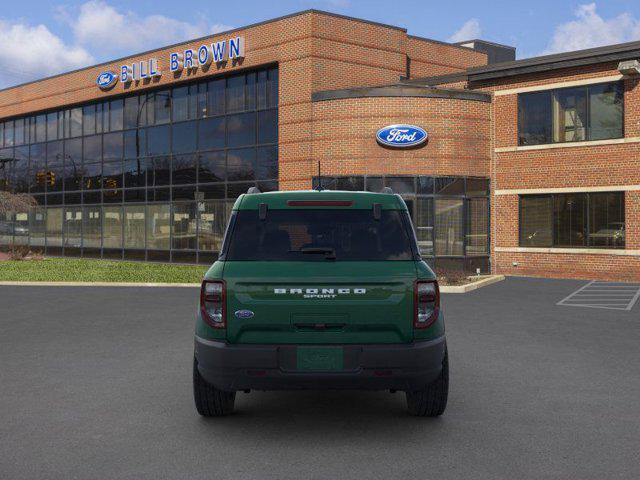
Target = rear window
(320,235)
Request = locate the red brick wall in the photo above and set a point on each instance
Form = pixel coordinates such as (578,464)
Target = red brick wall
(429,58)
(572,167)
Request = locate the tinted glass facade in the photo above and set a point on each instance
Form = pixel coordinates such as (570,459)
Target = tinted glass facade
(147,176)
(450,214)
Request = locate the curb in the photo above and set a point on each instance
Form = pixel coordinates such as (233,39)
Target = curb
(99,284)
(472,286)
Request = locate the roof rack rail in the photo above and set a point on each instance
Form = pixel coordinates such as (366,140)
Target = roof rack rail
(254,190)
(387,190)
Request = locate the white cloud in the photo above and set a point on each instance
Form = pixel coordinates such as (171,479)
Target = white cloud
(107,31)
(29,52)
(591,30)
(469,31)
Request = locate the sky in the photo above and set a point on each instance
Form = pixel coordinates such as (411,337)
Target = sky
(39,38)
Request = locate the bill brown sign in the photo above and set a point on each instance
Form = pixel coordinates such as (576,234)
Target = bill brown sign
(189,59)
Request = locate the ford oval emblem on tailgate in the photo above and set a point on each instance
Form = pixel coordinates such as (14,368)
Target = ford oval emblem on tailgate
(401,136)
(244,314)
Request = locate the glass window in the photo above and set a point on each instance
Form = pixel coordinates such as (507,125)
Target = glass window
(349,235)
(112,227)
(216,190)
(212,221)
(215,97)
(534,118)
(180,104)
(576,114)
(400,184)
(184,169)
(8,134)
(75,122)
(250,91)
(606,220)
(73,227)
(449,226)
(89,124)
(211,133)
(55,175)
(184,137)
(37,226)
(130,115)
(201,100)
(92,227)
(92,149)
(424,225)
(41,128)
(477,187)
(54,227)
(112,175)
(606,111)
(134,226)
(570,220)
(134,173)
(37,168)
(261,89)
(570,115)
(268,126)
(536,221)
(211,167)
(449,186)
(158,227)
(158,140)
(158,171)
(425,185)
(135,143)
(6,228)
(92,176)
(241,130)
(374,184)
(116,115)
(162,106)
(184,226)
(112,146)
(235,93)
(477,226)
(19,131)
(102,119)
(72,163)
(241,164)
(21,169)
(273,87)
(267,166)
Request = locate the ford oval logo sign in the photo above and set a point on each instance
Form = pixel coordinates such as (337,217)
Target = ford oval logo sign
(244,314)
(106,80)
(401,136)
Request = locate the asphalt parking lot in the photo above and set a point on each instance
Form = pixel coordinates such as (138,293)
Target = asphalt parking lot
(95,384)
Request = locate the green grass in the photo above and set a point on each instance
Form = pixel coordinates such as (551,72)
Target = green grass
(83,270)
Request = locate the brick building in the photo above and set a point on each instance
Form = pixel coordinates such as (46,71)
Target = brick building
(530,167)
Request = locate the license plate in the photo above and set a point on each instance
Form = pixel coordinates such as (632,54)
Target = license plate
(320,358)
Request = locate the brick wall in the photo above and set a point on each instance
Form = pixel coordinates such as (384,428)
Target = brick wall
(563,167)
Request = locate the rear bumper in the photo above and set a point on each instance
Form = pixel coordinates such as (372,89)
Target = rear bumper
(407,367)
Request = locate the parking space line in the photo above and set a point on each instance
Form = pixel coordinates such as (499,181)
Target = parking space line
(596,294)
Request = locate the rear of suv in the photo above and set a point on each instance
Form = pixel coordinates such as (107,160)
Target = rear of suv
(320,290)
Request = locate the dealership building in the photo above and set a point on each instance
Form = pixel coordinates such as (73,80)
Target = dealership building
(527,167)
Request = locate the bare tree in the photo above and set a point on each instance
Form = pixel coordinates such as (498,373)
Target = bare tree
(16,202)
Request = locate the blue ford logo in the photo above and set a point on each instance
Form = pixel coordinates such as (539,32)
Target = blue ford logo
(106,80)
(244,314)
(401,136)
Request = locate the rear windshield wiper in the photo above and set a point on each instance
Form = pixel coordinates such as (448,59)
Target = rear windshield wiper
(330,253)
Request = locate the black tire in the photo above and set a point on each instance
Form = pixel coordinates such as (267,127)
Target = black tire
(210,402)
(432,401)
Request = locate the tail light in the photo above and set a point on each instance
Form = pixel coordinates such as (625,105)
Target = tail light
(212,299)
(427,303)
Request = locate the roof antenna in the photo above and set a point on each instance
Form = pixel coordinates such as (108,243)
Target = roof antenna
(319,187)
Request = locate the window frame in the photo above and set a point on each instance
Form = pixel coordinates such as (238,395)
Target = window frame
(553,91)
(587,223)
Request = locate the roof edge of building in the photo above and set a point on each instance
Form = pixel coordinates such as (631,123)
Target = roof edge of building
(400,90)
(225,32)
(441,42)
(556,61)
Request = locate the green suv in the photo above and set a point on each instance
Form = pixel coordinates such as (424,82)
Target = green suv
(320,290)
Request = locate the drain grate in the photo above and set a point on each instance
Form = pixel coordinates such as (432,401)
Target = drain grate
(610,295)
